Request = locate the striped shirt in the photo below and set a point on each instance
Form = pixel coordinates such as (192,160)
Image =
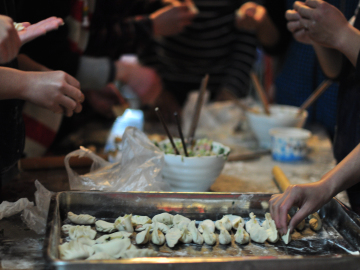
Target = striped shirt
(211,44)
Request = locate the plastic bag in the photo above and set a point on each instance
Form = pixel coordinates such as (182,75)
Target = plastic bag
(137,169)
(8,209)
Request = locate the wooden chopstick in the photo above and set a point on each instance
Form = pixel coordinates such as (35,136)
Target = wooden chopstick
(314,96)
(261,92)
(198,106)
(180,133)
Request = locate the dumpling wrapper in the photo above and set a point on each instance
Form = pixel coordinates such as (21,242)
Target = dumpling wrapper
(196,235)
(124,223)
(258,234)
(186,237)
(82,219)
(224,237)
(251,222)
(85,240)
(157,237)
(140,220)
(114,248)
(208,223)
(81,230)
(143,237)
(238,221)
(104,226)
(165,218)
(173,236)
(286,237)
(266,223)
(179,219)
(74,250)
(161,226)
(241,236)
(225,221)
(109,237)
(315,221)
(209,236)
(273,235)
(145,252)
(100,256)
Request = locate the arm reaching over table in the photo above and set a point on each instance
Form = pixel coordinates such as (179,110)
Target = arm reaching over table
(311,197)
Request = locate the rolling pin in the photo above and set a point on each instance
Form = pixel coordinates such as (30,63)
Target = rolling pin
(280,178)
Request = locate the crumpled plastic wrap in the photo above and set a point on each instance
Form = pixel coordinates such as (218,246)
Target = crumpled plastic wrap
(8,209)
(138,168)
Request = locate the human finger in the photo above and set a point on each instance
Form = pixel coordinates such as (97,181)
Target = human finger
(68,104)
(78,107)
(25,24)
(275,201)
(58,109)
(292,15)
(73,93)
(299,216)
(303,10)
(313,3)
(72,81)
(305,23)
(294,26)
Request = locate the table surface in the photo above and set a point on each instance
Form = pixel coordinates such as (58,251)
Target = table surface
(21,248)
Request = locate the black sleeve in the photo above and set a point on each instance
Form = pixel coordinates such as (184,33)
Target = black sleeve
(52,49)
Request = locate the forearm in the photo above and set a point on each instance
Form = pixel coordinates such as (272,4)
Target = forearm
(13,83)
(349,43)
(330,60)
(267,33)
(27,64)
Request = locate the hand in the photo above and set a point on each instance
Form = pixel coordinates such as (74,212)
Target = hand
(171,19)
(324,23)
(145,82)
(308,197)
(31,32)
(250,16)
(9,40)
(294,25)
(102,101)
(54,90)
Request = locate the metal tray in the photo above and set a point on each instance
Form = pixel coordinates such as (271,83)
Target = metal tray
(335,246)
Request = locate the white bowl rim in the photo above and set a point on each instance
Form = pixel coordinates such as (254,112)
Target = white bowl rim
(225,154)
(286,132)
(278,106)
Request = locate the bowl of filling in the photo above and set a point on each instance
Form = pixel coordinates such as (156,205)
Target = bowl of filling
(199,170)
(280,116)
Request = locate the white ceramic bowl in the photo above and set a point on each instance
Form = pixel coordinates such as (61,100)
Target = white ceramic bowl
(193,174)
(289,144)
(280,116)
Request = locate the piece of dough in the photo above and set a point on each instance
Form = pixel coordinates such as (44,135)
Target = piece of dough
(104,226)
(286,237)
(157,237)
(224,237)
(208,223)
(186,237)
(65,228)
(74,250)
(161,226)
(100,256)
(81,230)
(196,235)
(109,237)
(124,223)
(241,236)
(145,252)
(209,236)
(315,221)
(238,221)
(165,218)
(85,240)
(180,219)
(173,236)
(143,237)
(225,221)
(19,26)
(258,233)
(140,220)
(273,235)
(182,225)
(82,219)
(266,223)
(114,248)
(251,222)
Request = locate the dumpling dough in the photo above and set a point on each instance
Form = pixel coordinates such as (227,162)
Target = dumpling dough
(82,219)
(241,236)
(225,221)
(85,240)
(251,222)
(74,250)
(196,235)
(273,235)
(109,237)
(104,226)
(114,248)
(140,220)
(157,237)
(143,237)
(236,222)
(100,256)
(224,237)
(180,219)
(124,223)
(182,225)
(208,223)
(266,223)
(65,228)
(258,233)
(286,237)
(145,252)
(186,237)
(315,221)
(79,231)
(161,226)
(173,236)
(209,236)
(165,218)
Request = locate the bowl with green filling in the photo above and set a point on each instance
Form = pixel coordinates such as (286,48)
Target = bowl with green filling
(199,170)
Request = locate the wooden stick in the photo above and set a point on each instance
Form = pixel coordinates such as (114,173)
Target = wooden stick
(198,106)
(280,178)
(167,130)
(314,96)
(261,92)
(180,133)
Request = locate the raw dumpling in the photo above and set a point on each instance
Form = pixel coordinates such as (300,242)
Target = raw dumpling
(173,236)
(315,221)
(124,223)
(182,225)
(224,237)
(186,237)
(157,237)
(104,226)
(258,233)
(85,240)
(225,221)
(236,222)
(140,220)
(82,219)
(241,236)
(65,228)
(79,231)
(251,222)
(145,252)
(209,236)
(286,237)
(118,235)
(266,223)
(114,248)
(74,250)
(208,223)
(140,228)
(100,256)
(165,218)
(196,235)
(143,237)
(180,219)
(273,235)
(301,225)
